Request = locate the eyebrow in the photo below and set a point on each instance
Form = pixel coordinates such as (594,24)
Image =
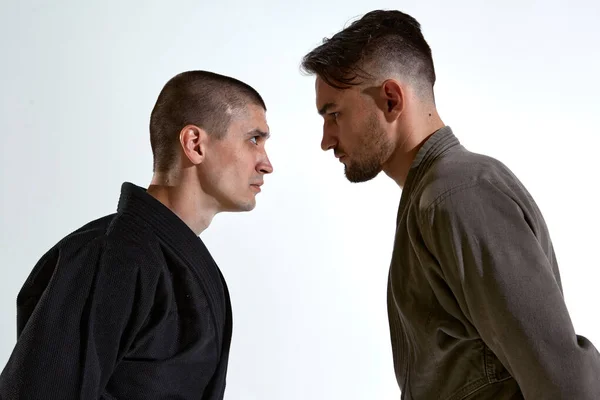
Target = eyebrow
(323,110)
(258,132)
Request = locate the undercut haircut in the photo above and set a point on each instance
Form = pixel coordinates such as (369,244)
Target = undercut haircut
(201,98)
(380,43)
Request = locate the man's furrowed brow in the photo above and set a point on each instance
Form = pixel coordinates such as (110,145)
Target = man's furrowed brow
(326,107)
(259,132)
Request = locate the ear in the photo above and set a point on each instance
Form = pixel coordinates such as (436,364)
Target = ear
(393,95)
(193,143)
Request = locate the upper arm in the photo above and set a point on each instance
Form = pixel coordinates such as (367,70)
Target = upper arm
(94,301)
(504,281)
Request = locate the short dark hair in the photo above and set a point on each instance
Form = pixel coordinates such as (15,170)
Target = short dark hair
(381,40)
(200,98)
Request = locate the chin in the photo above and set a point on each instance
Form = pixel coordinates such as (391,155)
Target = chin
(247,207)
(357,175)
(243,206)
(237,203)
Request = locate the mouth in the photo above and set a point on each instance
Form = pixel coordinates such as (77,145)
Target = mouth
(256,187)
(339,156)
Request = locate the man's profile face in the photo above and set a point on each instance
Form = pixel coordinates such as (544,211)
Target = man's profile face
(235,165)
(353,129)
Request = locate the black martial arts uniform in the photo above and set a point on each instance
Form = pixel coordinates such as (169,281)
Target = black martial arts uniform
(130,306)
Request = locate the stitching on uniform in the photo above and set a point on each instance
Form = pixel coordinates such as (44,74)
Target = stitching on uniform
(455,189)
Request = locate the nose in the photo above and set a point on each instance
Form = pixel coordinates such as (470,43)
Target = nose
(328,142)
(264,166)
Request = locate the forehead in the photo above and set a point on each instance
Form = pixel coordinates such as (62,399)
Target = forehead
(250,117)
(327,96)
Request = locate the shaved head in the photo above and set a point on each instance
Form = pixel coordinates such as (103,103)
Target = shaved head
(201,98)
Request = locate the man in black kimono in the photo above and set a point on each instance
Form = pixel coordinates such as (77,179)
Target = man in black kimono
(475,301)
(132,305)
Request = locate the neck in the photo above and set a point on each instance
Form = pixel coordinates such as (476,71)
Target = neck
(182,194)
(415,133)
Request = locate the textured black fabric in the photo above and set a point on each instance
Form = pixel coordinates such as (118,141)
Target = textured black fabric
(130,306)
(475,299)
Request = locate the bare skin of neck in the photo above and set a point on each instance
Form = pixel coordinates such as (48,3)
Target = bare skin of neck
(181,192)
(419,123)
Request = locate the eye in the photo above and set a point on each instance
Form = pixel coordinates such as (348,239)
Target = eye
(254,139)
(334,115)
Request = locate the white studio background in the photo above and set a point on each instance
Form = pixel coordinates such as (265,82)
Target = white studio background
(307,269)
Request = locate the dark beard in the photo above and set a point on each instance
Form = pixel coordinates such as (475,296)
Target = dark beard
(365,171)
(375,149)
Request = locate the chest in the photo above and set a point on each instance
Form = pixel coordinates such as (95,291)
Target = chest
(409,278)
(418,288)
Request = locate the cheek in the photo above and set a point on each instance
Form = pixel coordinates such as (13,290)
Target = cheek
(349,132)
(222,169)
(238,168)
